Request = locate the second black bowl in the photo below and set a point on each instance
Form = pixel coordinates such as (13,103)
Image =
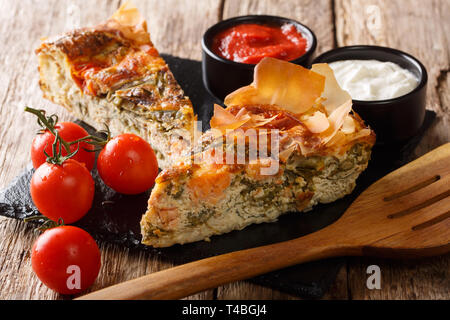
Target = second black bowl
(393,120)
(222,76)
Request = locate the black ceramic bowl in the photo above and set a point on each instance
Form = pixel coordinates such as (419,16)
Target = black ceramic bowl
(222,76)
(393,120)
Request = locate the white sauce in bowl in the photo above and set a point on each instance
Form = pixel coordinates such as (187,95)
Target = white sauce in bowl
(372,80)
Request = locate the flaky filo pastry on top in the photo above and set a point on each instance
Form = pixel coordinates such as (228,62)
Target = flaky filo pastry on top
(315,148)
(112,74)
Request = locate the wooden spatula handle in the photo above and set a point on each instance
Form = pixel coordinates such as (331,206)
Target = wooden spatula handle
(416,194)
(187,279)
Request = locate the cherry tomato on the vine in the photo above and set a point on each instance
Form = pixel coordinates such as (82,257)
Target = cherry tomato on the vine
(62,191)
(128,164)
(69,132)
(66,259)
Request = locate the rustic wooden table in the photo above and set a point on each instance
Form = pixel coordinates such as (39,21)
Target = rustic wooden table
(420,27)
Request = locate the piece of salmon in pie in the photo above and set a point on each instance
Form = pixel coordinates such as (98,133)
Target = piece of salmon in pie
(112,74)
(285,143)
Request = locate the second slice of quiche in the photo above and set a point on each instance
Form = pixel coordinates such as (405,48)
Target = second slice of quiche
(314,149)
(113,74)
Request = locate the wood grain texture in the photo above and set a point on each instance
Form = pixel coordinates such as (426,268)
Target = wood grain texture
(401,279)
(419,27)
(422,29)
(177,26)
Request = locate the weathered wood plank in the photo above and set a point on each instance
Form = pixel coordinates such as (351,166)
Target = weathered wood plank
(23,24)
(422,29)
(402,280)
(318,16)
(177,26)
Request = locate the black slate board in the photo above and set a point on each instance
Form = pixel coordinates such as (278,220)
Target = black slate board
(115,217)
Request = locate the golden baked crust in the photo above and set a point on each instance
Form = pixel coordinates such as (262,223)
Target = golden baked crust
(113,74)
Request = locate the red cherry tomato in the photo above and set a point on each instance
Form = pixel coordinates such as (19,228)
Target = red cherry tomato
(69,132)
(128,164)
(66,259)
(62,191)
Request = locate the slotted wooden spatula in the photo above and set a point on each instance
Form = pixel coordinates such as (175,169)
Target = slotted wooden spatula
(405,214)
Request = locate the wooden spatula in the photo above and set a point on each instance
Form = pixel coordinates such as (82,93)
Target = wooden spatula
(405,214)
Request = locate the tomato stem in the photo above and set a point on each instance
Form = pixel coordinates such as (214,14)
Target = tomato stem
(46,222)
(96,141)
(48,123)
(57,157)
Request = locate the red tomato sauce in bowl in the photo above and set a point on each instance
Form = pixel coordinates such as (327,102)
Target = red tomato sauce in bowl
(251,42)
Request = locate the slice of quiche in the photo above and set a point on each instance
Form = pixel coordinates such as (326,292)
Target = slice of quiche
(112,74)
(300,144)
